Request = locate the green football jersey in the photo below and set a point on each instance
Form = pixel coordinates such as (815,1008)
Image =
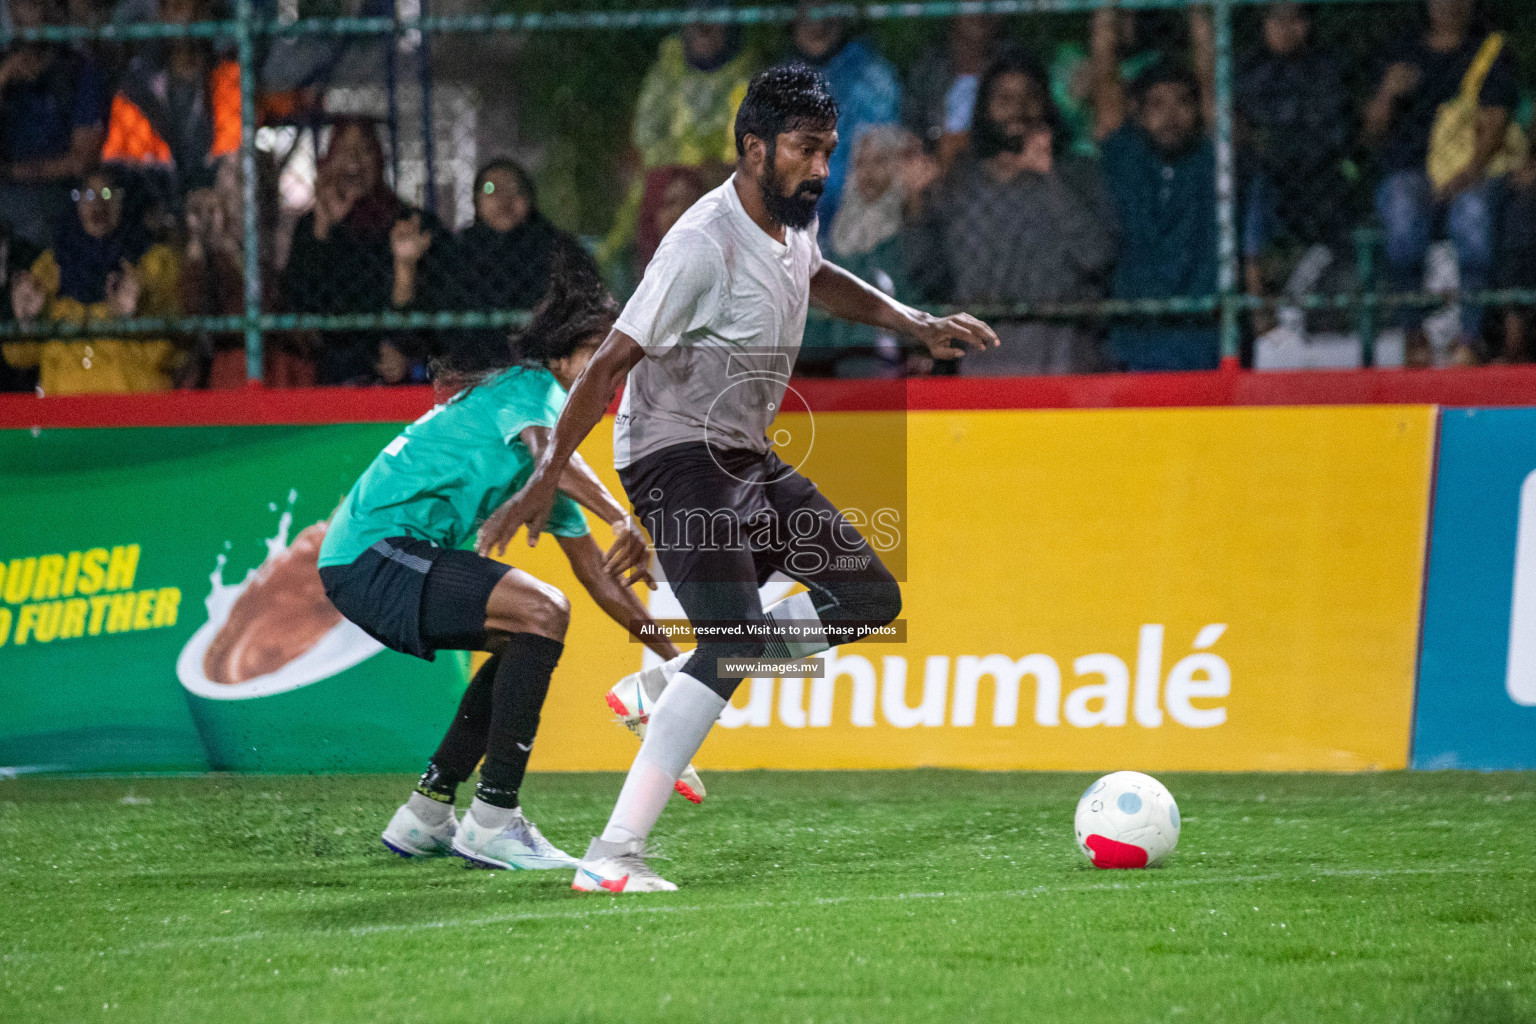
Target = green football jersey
(447,472)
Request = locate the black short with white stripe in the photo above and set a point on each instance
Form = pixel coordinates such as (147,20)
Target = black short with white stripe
(415,597)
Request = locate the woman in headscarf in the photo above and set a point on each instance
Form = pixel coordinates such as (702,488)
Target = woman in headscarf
(502,260)
(864,240)
(668,194)
(101,265)
(356,251)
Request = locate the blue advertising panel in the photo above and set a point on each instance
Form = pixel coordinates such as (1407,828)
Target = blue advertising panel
(1477,671)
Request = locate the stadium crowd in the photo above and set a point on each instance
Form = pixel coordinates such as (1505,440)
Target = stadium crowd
(988,173)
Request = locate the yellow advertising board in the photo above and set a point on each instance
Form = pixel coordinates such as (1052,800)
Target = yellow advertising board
(1221,589)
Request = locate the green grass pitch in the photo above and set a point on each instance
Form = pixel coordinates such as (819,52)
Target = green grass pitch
(900,896)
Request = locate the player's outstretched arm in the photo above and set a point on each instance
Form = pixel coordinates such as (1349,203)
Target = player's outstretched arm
(588,400)
(630,554)
(621,604)
(846,296)
(629,557)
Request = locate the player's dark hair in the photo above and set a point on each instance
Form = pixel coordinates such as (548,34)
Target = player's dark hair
(1165,71)
(518,171)
(575,306)
(782,99)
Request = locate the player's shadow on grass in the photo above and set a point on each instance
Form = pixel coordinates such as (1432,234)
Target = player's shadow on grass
(425,893)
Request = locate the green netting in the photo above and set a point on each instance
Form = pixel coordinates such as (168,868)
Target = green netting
(1365,300)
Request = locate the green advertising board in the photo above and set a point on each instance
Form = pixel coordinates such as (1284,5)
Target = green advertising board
(160,608)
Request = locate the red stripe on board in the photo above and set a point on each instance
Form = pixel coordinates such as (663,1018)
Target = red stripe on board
(1493,385)
(243,406)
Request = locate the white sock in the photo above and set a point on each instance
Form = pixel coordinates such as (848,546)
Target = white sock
(433,812)
(490,815)
(679,723)
(798,608)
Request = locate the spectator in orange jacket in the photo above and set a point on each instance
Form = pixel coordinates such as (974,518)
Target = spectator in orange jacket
(177,110)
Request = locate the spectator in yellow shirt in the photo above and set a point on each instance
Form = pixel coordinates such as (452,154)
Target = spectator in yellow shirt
(100,266)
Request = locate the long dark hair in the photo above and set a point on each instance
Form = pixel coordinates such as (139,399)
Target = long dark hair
(986,141)
(575,306)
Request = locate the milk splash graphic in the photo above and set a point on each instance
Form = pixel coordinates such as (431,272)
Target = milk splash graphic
(338,649)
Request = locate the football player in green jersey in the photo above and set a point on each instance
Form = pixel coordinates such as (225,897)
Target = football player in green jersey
(394,561)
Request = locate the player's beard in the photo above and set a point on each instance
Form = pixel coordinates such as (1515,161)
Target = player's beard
(793,211)
(989,137)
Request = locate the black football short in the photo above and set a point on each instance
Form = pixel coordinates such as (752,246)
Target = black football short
(415,597)
(698,504)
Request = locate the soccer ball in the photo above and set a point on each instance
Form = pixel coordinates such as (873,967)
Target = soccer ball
(1127,820)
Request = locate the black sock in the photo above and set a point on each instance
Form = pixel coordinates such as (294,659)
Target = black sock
(434,785)
(464,743)
(522,682)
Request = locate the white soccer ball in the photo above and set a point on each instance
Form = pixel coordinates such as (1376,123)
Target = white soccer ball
(1127,820)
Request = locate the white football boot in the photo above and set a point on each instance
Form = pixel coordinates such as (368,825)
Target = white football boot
(517,846)
(409,836)
(618,867)
(631,699)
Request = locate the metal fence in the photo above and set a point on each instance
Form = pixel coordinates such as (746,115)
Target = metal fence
(1288,245)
